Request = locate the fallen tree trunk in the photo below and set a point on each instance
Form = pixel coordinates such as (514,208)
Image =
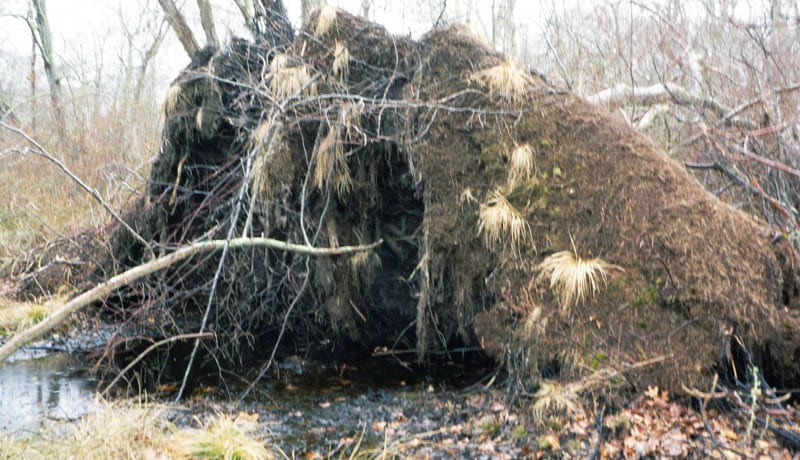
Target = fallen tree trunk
(102,290)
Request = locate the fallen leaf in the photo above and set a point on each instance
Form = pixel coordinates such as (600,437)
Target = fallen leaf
(729,434)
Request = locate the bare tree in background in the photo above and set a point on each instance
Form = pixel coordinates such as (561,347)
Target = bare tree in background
(180,26)
(144,36)
(207,20)
(248,12)
(365,7)
(718,89)
(40,30)
(503,25)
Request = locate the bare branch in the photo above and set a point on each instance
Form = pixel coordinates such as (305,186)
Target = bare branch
(104,289)
(174,338)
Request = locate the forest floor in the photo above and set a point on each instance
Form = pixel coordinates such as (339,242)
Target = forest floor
(385,410)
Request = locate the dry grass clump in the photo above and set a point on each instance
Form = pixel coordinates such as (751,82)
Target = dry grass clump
(223,438)
(136,430)
(363,266)
(499,221)
(16,316)
(535,325)
(259,184)
(466,196)
(331,163)
(555,397)
(174,95)
(325,20)
(341,61)
(506,79)
(572,279)
(522,164)
(41,204)
(259,135)
(288,80)
(119,430)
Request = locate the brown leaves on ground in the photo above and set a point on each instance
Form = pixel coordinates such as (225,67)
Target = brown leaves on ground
(656,427)
(653,426)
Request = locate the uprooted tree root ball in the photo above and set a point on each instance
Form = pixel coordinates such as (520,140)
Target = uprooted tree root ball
(473,172)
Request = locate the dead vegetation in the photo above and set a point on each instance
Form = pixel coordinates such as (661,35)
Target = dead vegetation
(128,429)
(481,179)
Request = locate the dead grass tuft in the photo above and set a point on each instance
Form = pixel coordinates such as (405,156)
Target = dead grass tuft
(350,117)
(572,279)
(522,165)
(174,95)
(259,184)
(120,430)
(325,20)
(554,397)
(499,222)
(363,267)
(466,196)
(16,316)
(341,61)
(224,438)
(198,119)
(288,80)
(332,163)
(535,325)
(259,135)
(506,79)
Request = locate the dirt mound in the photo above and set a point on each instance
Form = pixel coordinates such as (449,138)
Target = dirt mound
(513,216)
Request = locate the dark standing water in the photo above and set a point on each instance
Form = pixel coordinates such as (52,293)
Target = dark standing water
(35,386)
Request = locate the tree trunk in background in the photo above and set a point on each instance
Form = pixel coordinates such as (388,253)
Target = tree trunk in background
(365,6)
(32,74)
(45,44)
(272,24)
(179,25)
(207,20)
(505,27)
(147,58)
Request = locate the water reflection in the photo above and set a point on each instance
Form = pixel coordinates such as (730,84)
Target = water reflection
(37,386)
